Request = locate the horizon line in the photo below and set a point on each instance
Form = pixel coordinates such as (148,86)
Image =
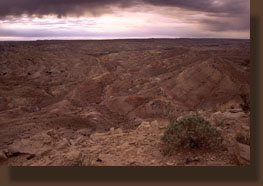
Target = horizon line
(107,39)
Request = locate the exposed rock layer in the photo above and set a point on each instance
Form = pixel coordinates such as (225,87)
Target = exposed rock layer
(92,86)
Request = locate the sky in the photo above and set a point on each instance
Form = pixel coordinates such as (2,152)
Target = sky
(118,19)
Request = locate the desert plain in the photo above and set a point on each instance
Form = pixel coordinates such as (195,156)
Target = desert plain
(108,102)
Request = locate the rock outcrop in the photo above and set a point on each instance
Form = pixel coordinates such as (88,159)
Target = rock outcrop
(81,90)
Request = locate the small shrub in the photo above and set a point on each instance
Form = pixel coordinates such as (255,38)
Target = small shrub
(242,138)
(246,102)
(190,132)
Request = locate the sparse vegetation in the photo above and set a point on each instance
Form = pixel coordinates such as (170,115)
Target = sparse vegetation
(190,132)
(59,100)
(242,138)
(246,102)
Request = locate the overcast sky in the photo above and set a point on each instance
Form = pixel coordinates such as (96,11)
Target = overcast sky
(110,19)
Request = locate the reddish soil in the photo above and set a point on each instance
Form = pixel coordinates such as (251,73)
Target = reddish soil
(78,89)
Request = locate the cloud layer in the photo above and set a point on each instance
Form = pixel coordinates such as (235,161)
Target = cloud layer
(207,15)
(65,7)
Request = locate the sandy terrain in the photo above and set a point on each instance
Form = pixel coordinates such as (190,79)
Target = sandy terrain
(108,102)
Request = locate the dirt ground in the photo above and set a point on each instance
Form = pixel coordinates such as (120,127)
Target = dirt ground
(97,103)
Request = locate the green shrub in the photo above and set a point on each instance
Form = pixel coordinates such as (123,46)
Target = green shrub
(190,132)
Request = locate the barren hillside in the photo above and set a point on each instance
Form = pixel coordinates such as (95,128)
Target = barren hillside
(61,102)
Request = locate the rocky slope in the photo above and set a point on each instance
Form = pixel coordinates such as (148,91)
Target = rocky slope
(134,147)
(77,89)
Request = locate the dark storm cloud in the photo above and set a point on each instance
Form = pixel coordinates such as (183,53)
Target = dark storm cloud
(64,7)
(213,6)
(220,15)
(220,25)
(58,7)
